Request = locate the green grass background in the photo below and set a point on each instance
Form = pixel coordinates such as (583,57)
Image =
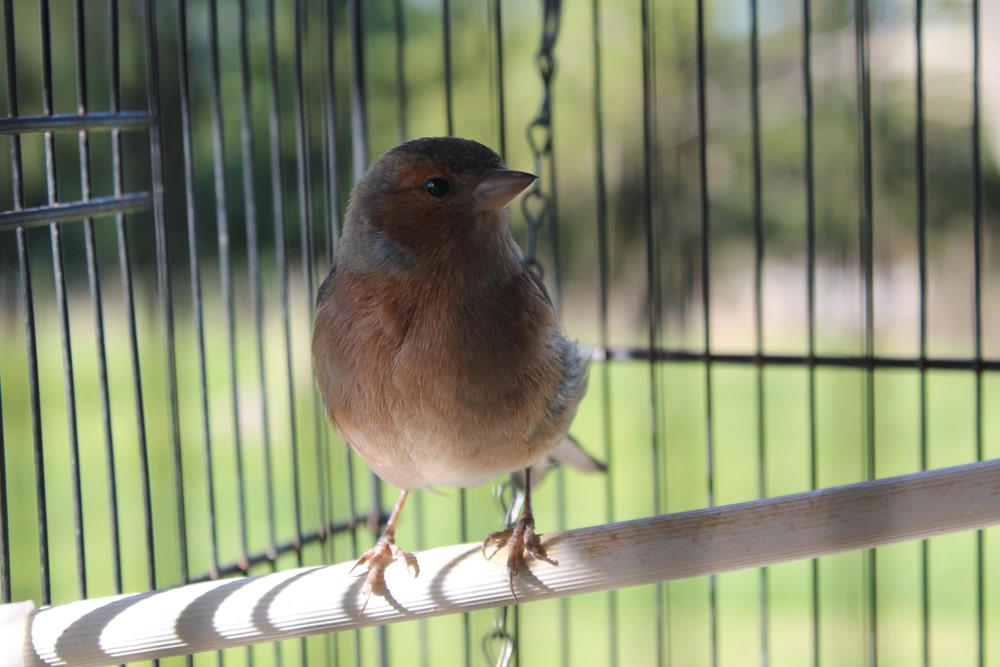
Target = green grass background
(581,631)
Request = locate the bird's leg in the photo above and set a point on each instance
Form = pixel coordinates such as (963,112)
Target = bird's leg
(519,538)
(384,552)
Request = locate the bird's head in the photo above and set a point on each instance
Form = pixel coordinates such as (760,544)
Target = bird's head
(430,196)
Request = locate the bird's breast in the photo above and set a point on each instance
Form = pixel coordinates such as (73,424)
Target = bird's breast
(438,386)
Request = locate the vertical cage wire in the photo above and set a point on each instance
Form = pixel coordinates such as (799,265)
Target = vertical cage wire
(810,213)
(921,186)
(59,279)
(94,283)
(164,292)
(977,280)
(5,587)
(603,336)
(758,301)
(706,302)
(125,265)
(195,276)
(867,268)
(661,617)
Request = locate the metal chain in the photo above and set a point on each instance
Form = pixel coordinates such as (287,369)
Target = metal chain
(536,205)
(537,202)
(498,646)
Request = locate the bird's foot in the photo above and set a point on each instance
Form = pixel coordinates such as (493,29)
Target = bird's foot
(520,539)
(378,557)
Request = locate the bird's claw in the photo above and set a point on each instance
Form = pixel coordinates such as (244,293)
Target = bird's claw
(520,539)
(378,558)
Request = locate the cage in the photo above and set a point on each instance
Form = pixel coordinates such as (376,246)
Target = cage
(772,222)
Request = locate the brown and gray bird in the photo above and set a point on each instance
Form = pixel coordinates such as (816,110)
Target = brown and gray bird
(436,349)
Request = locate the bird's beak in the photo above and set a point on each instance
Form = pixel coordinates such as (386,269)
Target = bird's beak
(498,187)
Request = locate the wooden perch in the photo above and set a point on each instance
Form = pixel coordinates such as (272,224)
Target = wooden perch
(234,612)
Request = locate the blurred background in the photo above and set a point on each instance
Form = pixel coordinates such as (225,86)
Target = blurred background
(775,223)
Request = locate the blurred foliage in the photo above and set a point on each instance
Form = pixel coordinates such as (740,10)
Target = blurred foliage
(412,101)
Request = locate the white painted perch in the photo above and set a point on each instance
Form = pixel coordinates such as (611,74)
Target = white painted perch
(234,612)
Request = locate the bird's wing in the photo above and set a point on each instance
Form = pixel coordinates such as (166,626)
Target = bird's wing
(325,285)
(572,385)
(538,283)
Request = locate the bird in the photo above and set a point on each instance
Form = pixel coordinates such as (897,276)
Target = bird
(436,348)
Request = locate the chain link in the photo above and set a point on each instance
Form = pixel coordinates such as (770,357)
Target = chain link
(536,205)
(537,202)
(498,646)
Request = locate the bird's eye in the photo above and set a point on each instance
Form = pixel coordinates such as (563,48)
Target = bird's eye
(437,187)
